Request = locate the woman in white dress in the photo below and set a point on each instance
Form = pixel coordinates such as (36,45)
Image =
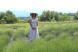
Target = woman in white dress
(33,21)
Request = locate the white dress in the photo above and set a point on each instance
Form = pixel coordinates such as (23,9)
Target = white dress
(34,34)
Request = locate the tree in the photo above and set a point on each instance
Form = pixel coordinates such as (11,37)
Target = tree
(56,16)
(45,16)
(49,16)
(10,17)
(2,14)
(76,16)
(65,17)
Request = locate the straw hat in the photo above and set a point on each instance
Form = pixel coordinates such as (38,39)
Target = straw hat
(33,14)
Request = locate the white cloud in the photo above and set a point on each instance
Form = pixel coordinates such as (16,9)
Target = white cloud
(32,5)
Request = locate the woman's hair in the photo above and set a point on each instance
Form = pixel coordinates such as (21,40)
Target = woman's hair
(31,14)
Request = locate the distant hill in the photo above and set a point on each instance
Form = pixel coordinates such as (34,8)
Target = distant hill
(71,14)
(23,18)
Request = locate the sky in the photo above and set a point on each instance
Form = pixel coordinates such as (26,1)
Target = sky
(25,7)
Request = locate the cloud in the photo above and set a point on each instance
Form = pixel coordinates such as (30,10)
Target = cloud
(32,5)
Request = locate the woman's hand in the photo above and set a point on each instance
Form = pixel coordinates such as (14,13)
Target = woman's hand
(33,28)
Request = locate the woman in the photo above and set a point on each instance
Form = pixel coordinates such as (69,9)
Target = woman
(33,21)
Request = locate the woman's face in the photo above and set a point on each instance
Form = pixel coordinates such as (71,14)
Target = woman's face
(33,16)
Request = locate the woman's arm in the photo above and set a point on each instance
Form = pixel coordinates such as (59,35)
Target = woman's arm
(30,22)
(31,25)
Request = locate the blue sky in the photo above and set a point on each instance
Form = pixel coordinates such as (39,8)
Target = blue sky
(24,7)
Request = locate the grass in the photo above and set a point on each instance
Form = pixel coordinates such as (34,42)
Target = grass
(54,37)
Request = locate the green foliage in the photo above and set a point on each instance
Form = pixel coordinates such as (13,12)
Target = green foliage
(3,41)
(49,15)
(2,15)
(76,16)
(8,17)
(54,37)
(57,16)
(65,17)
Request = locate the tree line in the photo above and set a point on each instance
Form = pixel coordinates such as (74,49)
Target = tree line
(9,17)
(57,16)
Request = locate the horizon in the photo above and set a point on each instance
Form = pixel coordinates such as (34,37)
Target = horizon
(27,13)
